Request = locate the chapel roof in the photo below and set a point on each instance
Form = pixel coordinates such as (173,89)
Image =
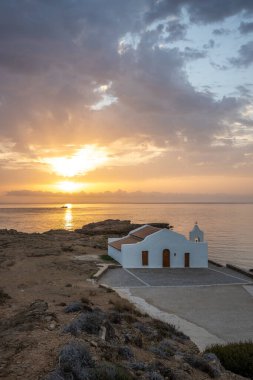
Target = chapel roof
(144,231)
(134,236)
(126,240)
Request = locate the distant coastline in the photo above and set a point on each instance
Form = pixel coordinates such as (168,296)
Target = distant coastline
(127,202)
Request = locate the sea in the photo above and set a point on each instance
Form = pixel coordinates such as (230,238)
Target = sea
(228,228)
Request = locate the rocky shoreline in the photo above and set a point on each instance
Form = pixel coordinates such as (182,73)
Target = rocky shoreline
(57,323)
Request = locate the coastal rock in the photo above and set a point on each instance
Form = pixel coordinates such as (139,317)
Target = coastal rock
(30,317)
(113,226)
(52,326)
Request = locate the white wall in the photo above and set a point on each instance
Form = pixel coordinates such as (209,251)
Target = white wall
(131,254)
(113,252)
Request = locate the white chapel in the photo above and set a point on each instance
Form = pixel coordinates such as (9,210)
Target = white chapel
(152,247)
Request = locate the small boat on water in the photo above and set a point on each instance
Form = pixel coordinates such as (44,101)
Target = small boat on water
(67,205)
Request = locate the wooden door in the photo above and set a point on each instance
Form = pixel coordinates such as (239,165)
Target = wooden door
(166,258)
(187,260)
(145,258)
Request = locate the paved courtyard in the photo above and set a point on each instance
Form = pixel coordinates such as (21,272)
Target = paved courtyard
(210,305)
(169,277)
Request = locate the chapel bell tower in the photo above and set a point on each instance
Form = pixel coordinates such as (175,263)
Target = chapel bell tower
(196,235)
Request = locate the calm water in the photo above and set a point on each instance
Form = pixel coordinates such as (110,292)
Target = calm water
(228,227)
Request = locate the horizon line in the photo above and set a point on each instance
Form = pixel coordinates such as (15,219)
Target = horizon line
(83,203)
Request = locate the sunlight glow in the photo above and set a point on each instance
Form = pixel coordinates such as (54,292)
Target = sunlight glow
(84,160)
(68,219)
(69,187)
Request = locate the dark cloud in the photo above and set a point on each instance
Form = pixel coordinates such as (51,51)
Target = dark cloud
(42,34)
(209,45)
(176,30)
(246,27)
(217,66)
(245,57)
(221,32)
(52,55)
(245,91)
(199,10)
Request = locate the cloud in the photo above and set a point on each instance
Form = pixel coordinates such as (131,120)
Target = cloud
(192,54)
(246,27)
(217,66)
(62,61)
(82,160)
(121,196)
(199,10)
(176,30)
(245,57)
(209,45)
(245,90)
(221,32)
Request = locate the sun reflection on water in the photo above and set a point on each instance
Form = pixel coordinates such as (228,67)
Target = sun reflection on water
(68,219)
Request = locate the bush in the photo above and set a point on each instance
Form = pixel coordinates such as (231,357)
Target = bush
(123,306)
(89,322)
(109,371)
(74,307)
(235,357)
(74,359)
(138,366)
(203,365)
(115,317)
(75,362)
(155,376)
(165,329)
(125,352)
(55,375)
(129,318)
(107,258)
(164,349)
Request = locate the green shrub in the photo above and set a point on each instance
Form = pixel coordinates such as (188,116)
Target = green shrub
(235,357)
(109,371)
(167,330)
(107,258)
(122,306)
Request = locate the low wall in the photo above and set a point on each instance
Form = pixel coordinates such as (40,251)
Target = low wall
(215,263)
(240,270)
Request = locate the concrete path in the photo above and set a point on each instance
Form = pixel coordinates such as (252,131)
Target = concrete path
(224,311)
(200,336)
(209,305)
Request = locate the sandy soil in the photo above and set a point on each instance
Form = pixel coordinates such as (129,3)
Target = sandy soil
(42,273)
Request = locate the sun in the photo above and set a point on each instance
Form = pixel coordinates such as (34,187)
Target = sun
(84,160)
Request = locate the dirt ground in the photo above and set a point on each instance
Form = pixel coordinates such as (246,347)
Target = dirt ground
(40,274)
